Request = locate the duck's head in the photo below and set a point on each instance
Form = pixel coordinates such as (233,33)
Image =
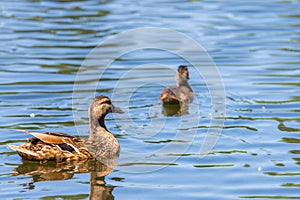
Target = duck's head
(183,71)
(101,106)
(182,75)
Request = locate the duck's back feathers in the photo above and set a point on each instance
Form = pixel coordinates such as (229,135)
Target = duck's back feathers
(169,96)
(52,146)
(177,95)
(51,137)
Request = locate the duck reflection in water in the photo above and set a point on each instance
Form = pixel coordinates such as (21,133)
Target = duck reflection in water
(52,171)
(176,100)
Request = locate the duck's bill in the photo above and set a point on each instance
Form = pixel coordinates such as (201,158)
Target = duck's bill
(115,109)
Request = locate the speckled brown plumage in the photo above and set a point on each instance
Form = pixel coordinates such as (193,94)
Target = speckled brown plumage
(101,144)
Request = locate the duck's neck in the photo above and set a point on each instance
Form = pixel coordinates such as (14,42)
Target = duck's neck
(97,125)
(101,143)
(182,82)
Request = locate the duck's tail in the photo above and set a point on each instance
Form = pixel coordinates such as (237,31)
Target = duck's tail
(24,153)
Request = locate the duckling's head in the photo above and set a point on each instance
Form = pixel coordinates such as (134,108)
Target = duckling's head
(101,106)
(182,76)
(183,71)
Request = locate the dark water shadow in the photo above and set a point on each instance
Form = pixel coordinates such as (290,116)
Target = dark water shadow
(52,171)
(176,109)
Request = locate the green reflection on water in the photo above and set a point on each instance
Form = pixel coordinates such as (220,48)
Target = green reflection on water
(283,174)
(77,196)
(292,99)
(165,141)
(228,127)
(40,125)
(270,197)
(282,127)
(149,163)
(214,165)
(290,185)
(290,140)
(211,153)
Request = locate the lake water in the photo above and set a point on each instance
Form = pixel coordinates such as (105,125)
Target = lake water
(255,46)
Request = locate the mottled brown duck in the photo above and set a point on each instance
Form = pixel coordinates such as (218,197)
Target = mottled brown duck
(101,144)
(183,92)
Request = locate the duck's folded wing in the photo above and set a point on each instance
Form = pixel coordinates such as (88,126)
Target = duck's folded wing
(50,137)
